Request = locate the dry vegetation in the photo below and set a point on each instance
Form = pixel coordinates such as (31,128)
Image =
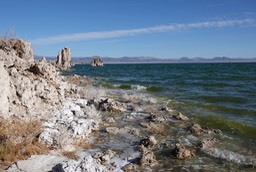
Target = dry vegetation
(19,140)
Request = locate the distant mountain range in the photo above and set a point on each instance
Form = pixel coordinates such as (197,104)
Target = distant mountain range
(143,59)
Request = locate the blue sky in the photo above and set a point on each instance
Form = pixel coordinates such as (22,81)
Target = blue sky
(117,28)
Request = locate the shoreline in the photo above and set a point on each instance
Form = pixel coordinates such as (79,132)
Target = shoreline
(87,128)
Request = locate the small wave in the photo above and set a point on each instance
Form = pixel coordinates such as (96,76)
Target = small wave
(230,156)
(138,87)
(154,88)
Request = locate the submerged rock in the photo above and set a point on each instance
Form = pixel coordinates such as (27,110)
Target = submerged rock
(148,157)
(182,117)
(181,152)
(149,142)
(157,118)
(197,129)
(208,143)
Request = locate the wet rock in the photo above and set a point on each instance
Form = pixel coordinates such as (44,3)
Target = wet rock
(165,109)
(109,105)
(64,59)
(208,143)
(181,152)
(157,118)
(197,129)
(149,142)
(148,157)
(182,117)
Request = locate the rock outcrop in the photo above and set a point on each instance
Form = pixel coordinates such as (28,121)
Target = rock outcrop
(28,89)
(64,59)
(97,62)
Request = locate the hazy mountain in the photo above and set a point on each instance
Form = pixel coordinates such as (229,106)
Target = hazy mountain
(144,59)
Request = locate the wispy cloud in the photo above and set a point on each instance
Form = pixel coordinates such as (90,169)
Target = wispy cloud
(132,32)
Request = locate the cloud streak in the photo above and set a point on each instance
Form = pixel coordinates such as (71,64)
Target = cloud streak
(133,32)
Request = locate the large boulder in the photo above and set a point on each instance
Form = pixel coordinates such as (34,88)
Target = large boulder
(64,59)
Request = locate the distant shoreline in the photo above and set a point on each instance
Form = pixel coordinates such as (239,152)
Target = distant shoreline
(152,60)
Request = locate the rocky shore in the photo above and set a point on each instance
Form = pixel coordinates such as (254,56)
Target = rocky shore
(82,127)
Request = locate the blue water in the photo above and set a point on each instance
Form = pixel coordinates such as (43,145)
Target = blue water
(221,95)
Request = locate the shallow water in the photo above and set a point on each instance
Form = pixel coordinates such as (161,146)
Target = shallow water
(216,95)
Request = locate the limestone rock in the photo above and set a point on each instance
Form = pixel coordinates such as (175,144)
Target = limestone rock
(197,129)
(4,90)
(148,157)
(208,143)
(64,59)
(181,152)
(97,62)
(69,124)
(149,142)
(182,117)
(100,162)
(43,163)
(88,163)
(35,88)
(130,168)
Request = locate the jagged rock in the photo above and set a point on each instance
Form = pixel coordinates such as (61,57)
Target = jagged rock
(182,117)
(19,47)
(149,142)
(157,118)
(148,157)
(181,152)
(197,129)
(108,105)
(100,162)
(97,62)
(130,168)
(35,88)
(4,91)
(208,143)
(69,124)
(105,156)
(88,163)
(64,59)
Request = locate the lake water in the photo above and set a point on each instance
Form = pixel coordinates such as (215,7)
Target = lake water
(218,95)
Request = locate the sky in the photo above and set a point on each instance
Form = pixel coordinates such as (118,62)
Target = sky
(118,28)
